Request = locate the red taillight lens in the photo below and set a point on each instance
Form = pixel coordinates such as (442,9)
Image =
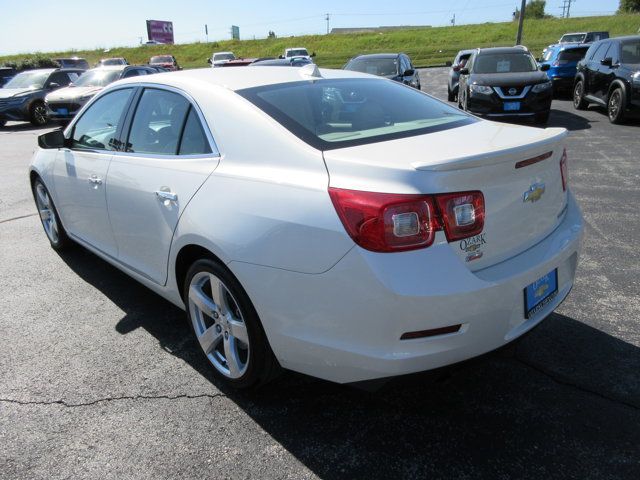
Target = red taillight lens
(564,171)
(462,214)
(386,222)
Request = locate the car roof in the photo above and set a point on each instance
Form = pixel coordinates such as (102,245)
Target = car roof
(240,78)
(484,51)
(296,48)
(47,70)
(378,55)
(218,53)
(621,39)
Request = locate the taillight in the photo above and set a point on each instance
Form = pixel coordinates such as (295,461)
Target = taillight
(388,222)
(462,214)
(564,171)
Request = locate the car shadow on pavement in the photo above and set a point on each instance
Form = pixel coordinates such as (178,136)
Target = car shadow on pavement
(26,127)
(562,402)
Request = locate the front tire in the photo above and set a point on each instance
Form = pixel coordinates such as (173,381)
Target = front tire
(579,103)
(38,114)
(227,326)
(616,106)
(49,216)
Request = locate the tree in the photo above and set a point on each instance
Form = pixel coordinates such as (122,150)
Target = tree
(629,6)
(534,9)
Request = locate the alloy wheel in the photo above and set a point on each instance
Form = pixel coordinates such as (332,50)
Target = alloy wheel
(40,114)
(47,215)
(614,105)
(219,325)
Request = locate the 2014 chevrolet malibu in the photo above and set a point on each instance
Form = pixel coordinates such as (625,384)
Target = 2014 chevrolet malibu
(328,222)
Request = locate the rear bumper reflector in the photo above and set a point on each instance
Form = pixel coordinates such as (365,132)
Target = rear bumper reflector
(531,161)
(430,333)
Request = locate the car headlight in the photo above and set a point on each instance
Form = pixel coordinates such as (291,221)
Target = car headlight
(541,87)
(636,79)
(481,89)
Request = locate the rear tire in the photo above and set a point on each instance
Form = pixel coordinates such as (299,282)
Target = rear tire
(616,106)
(579,103)
(450,95)
(227,326)
(38,114)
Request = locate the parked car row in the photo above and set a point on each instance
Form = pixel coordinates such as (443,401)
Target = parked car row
(510,83)
(293,57)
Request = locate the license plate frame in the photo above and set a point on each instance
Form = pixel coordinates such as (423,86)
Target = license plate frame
(511,106)
(539,293)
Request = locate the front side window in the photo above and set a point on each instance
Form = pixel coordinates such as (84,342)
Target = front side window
(505,63)
(158,122)
(338,113)
(98,126)
(600,54)
(631,52)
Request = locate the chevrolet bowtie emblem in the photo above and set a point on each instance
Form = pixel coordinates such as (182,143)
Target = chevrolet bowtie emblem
(535,192)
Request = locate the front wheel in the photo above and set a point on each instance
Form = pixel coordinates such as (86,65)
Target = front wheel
(579,103)
(616,106)
(38,114)
(227,326)
(49,217)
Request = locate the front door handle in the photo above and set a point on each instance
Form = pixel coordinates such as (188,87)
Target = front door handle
(95,180)
(166,195)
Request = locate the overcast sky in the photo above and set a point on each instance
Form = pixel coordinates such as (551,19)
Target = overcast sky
(49,25)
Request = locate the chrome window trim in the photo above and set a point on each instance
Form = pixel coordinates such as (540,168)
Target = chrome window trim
(525,90)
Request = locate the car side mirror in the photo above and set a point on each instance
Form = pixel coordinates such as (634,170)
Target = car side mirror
(456,68)
(53,85)
(408,72)
(607,62)
(281,57)
(209,61)
(464,71)
(54,139)
(544,67)
(313,54)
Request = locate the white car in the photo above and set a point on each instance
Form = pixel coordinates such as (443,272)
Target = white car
(329,222)
(297,52)
(220,58)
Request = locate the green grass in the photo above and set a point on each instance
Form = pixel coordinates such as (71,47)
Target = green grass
(426,46)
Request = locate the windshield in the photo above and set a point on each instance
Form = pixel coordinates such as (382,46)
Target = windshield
(631,51)
(223,56)
(161,59)
(298,52)
(504,63)
(97,78)
(28,80)
(330,114)
(113,61)
(384,67)
(574,37)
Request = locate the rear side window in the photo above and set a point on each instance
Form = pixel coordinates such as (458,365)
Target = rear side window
(338,113)
(193,140)
(98,126)
(158,122)
(572,55)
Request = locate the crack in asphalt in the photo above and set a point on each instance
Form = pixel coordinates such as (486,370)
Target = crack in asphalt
(111,399)
(575,386)
(18,217)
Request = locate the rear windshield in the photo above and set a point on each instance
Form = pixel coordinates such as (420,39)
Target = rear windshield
(504,63)
(384,67)
(573,55)
(97,78)
(631,51)
(161,59)
(329,114)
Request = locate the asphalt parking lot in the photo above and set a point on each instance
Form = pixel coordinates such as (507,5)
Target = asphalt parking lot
(100,377)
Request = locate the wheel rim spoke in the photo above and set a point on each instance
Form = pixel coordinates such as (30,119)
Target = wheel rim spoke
(233,364)
(210,338)
(218,291)
(42,195)
(238,330)
(202,302)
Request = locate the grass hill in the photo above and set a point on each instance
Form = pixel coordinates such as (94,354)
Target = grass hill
(426,46)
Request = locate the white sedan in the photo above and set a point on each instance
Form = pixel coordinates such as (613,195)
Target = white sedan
(328,222)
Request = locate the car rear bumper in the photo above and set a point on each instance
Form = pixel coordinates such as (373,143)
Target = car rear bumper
(345,324)
(562,83)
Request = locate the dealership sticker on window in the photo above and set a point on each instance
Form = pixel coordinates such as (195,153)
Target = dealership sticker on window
(473,246)
(503,66)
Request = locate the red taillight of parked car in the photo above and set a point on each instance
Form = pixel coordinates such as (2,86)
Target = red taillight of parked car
(564,171)
(388,222)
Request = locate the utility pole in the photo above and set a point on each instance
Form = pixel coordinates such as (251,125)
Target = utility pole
(520,22)
(566,8)
(569,7)
(453,20)
(206,32)
(327,17)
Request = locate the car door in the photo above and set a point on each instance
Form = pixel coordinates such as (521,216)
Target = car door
(599,72)
(169,154)
(80,171)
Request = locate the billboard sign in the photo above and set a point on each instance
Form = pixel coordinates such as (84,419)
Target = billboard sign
(160,31)
(235,32)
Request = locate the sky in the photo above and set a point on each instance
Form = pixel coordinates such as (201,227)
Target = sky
(47,25)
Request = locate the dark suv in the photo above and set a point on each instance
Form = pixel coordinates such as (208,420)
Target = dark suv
(609,76)
(505,82)
(395,66)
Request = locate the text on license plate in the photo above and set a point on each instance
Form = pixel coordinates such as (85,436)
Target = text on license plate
(511,106)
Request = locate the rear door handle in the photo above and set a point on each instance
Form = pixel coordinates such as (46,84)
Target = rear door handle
(164,195)
(95,180)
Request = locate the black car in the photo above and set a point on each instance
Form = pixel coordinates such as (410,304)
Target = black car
(22,98)
(73,62)
(505,82)
(609,75)
(6,74)
(396,66)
